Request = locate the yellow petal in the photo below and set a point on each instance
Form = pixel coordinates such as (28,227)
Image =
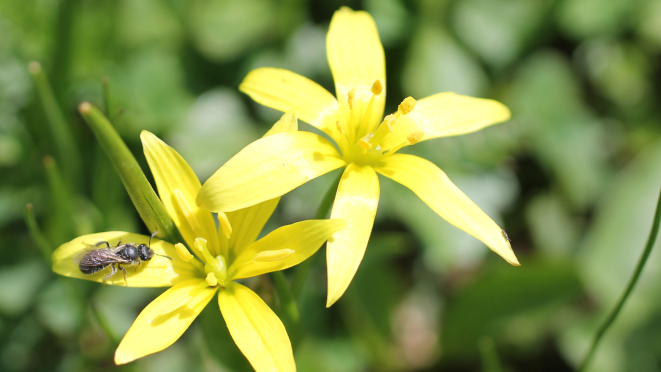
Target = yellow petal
(172,173)
(157,272)
(284,247)
(268,168)
(287,123)
(155,329)
(290,92)
(434,187)
(248,223)
(256,330)
(356,202)
(357,61)
(447,114)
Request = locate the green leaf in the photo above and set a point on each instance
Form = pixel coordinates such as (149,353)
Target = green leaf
(67,152)
(498,30)
(493,304)
(142,194)
(436,63)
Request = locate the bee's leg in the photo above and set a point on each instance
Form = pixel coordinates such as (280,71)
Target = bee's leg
(126,282)
(113,270)
(102,243)
(137,266)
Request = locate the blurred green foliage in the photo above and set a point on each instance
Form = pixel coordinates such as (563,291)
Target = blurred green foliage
(573,178)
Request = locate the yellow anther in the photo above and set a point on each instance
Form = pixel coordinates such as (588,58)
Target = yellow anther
(211,280)
(201,244)
(389,120)
(407,105)
(182,252)
(271,256)
(340,128)
(377,87)
(225,224)
(350,96)
(414,137)
(364,144)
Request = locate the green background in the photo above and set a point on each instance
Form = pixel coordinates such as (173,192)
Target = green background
(573,178)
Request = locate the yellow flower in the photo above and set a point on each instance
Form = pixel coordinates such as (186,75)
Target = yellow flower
(220,260)
(367,145)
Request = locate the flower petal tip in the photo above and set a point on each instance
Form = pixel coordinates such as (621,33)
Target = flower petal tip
(513,261)
(145,136)
(330,301)
(123,358)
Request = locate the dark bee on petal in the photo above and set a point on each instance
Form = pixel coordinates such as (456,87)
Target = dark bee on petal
(116,257)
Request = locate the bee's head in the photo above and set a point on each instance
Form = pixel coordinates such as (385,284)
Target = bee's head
(146,253)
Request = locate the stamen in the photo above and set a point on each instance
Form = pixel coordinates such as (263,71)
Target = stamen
(377,87)
(364,142)
(183,253)
(407,105)
(271,256)
(340,128)
(225,224)
(211,280)
(350,96)
(384,129)
(201,245)
(414,137)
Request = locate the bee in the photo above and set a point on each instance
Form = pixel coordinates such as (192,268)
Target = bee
(94,260)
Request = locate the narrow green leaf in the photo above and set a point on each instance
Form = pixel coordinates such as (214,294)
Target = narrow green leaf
(63,222)
(104,324)
(142,194)
(489,355)
(627,291)
(289,313)
(37,235)
(67,152)
(303,269)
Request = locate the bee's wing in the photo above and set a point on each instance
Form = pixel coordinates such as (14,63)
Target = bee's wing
(96,257)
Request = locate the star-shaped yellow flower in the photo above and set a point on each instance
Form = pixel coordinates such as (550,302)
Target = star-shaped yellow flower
(257,331)
(367,145)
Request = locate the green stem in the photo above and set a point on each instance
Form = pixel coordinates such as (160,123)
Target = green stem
(329,198)
(104,324)
(63,139)
(64,223)
(35,232)
(303,269)
(286,296)
(364,330)
(489,355)
(632,283)
(148,205)
(61,53)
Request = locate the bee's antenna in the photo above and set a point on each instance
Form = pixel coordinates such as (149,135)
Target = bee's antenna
(162,255)
(150,238)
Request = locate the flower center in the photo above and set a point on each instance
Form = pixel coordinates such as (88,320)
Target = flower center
(367,149)
(214,267)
